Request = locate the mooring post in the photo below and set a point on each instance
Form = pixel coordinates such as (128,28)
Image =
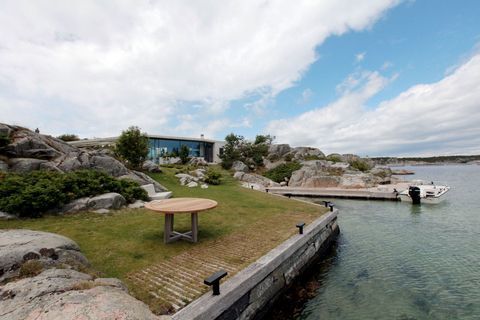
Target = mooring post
(331,205)
(214,281)
(326,203)
(300,226)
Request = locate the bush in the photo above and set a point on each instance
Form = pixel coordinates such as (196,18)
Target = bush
(231,150)
(4,140)
(278,174)
(334,158)
(30,268)
(132,147)
(238,149)
(68,137)
(313,157)
(184,154)
(212,176)
(360,165)
(31,194)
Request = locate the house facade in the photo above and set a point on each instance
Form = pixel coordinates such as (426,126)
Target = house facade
(163,146)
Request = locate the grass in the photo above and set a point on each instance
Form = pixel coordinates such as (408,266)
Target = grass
(131,239)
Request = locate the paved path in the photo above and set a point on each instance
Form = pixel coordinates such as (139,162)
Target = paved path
(179,280)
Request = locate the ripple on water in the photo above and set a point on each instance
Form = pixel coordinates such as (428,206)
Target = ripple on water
(398,261)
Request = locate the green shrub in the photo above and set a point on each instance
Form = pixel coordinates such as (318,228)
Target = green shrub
(334,158)
(31,268)
(312,157)
(360,165)
(288,157)
(237,148)
(212,176)
(278,174)
(31,194)
(184,153)
(132,147)
(4,140)
(68,137)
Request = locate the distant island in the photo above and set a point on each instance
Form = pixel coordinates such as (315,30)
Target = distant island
(415,161)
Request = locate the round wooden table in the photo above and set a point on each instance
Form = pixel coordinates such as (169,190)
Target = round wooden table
(170,207)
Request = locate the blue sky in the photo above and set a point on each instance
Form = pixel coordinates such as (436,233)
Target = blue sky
(383,77)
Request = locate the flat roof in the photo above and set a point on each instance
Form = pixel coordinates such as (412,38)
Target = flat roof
(108,140)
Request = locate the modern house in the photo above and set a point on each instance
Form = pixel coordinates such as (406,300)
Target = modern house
(160,146)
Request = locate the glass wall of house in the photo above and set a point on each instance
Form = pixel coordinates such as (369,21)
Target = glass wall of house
(159,147)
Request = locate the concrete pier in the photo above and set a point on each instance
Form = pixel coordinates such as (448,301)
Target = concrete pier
(378,193)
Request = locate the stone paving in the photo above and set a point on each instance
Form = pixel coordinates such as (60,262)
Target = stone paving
(179,280)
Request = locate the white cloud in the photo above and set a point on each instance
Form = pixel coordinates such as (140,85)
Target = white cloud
(95,67)
(359,57)
(427,119)
(306,96)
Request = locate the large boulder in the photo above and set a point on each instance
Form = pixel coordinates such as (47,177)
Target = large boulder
(301,153)
(5,130)
(255,179)
(22,165)
(143,179)
(76,205)
(240,166)
(68,295)
(108,164)
(151,166)
(269,165)
(276,151)
(186,178)
(17,246)
(109,200)
(358,180)
(349,157)
(198,161)
(30,151)
(308,178)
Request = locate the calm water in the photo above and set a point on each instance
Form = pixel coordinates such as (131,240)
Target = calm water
(398,261)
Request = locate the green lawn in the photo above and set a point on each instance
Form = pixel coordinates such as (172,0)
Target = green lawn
(128,240)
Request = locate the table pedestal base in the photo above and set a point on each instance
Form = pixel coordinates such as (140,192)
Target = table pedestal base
(170,235)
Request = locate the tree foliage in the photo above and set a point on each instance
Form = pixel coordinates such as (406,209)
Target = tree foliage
(68,137)
(239,149)
(184,153)
(132,147)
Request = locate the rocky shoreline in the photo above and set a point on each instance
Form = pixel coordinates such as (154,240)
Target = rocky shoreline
(43,276)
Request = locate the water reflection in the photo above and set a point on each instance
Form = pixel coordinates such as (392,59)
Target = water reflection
(305,288)
(397,260)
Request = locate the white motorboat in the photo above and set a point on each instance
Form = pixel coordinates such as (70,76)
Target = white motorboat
(421,192)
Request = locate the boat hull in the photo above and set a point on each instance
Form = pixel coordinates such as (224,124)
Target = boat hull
(431,200)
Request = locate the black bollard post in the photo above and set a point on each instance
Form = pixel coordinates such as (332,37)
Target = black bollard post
(300,226)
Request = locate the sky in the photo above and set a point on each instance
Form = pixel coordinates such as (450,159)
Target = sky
(372,77)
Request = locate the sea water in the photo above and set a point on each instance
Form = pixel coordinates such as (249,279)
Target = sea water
(396,260)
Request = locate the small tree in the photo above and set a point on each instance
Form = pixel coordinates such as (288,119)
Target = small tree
(184,153)
(264,139)
(68,137)
(231,150)
(132,147)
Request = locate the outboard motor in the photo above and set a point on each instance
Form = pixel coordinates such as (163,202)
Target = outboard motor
(414,193)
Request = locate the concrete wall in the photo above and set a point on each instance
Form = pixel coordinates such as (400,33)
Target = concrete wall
(252,291)
(216,150)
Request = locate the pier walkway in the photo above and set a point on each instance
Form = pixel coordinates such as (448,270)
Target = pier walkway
(378,193)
